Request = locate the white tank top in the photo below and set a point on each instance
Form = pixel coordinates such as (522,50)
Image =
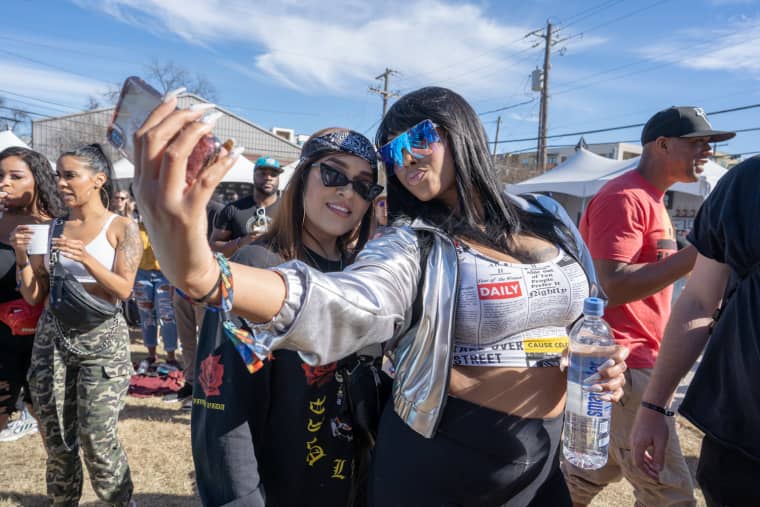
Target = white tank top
(99,248)
(515,315)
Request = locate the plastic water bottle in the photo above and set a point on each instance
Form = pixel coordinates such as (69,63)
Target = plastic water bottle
(587,416)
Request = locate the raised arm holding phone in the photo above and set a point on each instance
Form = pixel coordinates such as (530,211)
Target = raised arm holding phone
(435,153)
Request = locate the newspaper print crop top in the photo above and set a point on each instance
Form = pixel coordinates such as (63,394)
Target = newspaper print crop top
(515,315)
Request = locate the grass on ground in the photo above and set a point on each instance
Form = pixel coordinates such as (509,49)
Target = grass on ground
(156,436)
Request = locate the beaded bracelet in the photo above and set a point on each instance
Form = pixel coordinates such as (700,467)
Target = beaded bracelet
(204,299)
(250,351)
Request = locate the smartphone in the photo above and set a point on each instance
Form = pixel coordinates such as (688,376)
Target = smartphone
(136,101)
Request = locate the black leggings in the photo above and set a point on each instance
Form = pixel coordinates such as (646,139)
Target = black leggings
(15,355)
(478,457)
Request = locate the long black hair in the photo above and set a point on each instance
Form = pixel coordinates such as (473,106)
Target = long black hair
(484,214)
(48,199)
(98,162)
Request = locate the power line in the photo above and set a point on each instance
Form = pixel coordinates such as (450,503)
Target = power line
(591,11)
(7,92)
(623,127)
(508,107)
(28,42)
(648,69)
(624,16)
(39,62)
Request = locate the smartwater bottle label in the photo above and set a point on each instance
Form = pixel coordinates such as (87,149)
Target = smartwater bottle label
(580,402)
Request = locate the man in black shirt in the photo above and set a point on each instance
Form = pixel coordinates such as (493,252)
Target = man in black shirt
(242,221)
(723,399)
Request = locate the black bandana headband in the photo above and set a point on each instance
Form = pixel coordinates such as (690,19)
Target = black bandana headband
(343,140)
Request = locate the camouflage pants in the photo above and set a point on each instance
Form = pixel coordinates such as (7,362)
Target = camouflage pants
(78,384)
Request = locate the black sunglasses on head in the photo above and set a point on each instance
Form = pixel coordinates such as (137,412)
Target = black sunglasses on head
(331,177)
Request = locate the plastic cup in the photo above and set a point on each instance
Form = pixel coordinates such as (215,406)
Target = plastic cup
(39,244)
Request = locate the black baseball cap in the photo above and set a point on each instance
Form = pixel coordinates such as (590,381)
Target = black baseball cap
(685,122)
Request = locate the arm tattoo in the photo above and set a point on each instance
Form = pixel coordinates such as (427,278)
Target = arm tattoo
(131,246)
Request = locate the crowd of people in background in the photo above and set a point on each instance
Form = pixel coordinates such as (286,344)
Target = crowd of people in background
(332,335)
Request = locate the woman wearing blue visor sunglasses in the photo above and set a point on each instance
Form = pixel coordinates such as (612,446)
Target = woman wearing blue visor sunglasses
(471,294)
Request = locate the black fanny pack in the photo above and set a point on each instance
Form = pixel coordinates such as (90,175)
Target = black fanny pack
(368,390)
(69,302)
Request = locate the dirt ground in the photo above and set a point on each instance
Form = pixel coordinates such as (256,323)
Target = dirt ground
(156,436)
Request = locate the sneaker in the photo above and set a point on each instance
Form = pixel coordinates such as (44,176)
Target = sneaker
(19,429)
(166,369)
(184,392)
(174,363)
(145,365)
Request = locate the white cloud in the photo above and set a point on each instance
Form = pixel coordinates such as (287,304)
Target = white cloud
(721,3)
(340,46)
(732,48)
(57,86)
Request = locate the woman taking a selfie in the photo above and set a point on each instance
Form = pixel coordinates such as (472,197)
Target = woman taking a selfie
(324,217)
(457,296)
(80,362)
(27,196)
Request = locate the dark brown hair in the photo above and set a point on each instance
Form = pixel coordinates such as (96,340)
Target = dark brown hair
(285,236)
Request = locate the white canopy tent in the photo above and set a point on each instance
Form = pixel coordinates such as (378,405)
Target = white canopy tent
(581,176)
(241,172)
(702,188)
(8,139)
(576,176)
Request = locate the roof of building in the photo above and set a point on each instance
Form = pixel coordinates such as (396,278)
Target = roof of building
(183,96)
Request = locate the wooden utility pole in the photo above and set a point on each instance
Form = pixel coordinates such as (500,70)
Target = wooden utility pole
(384,92)
(544,108)
(496,139)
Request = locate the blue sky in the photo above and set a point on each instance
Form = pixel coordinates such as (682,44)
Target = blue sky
(307,65)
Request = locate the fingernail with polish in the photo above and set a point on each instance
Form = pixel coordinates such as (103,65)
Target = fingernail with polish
(202,107)
(596,388)
(237,152)
(211,118)
(606,397)
(593,378)
(607,364)
(173,94)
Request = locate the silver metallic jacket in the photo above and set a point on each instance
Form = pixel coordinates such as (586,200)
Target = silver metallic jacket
(327,316)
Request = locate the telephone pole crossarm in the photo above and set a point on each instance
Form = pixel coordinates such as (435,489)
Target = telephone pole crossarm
(385,93)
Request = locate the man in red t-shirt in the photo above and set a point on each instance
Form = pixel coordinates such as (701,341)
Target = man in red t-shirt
(632,242)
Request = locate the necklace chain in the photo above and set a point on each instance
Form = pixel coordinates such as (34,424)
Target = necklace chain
(317,265)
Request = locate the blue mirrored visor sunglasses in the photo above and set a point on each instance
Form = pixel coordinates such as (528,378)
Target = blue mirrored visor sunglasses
(416,142)
(331,177)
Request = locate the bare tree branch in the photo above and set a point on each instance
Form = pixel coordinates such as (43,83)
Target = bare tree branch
(111,95)
(14,119)
(92,103)
(168,76)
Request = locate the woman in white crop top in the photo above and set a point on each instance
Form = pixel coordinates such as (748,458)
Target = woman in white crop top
(89,370)
(467,434)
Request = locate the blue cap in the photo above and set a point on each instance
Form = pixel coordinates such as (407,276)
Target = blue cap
(271,163)
(593,307)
